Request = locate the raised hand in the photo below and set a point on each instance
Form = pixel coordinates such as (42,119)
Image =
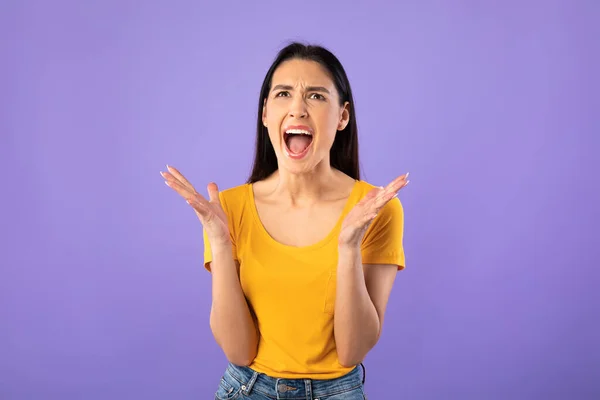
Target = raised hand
(209,212)
(364,212)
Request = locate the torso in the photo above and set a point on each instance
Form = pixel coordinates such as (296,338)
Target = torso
(289,277)
(301,226)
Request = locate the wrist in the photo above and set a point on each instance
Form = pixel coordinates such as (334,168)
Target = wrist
(220,249)
(348,251)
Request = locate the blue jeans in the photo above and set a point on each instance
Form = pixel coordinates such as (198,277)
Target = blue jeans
(243,383)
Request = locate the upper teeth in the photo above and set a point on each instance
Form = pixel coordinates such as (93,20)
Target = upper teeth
(298,132)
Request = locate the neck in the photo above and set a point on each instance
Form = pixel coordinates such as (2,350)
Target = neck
(304,188)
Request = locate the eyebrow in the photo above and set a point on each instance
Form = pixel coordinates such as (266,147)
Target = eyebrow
(309,88)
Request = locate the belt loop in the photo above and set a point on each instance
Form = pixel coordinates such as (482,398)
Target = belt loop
(247,388)
(308,388)
(364,373)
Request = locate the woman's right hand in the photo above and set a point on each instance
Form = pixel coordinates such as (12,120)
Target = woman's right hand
(209,212)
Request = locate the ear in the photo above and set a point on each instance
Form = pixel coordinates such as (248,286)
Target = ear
(264,112)
(344,117)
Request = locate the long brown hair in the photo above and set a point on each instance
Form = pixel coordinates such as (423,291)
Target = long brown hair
(344,152)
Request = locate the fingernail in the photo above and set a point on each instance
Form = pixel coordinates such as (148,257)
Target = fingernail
(406,183)
(167,183)
(406,175)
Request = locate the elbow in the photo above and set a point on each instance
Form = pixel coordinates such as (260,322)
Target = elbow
(241,357)
(238,352)
(348,360)
(350,357)
(240,361)
(346,364)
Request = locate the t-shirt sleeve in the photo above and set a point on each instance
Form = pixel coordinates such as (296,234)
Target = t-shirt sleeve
(383,241)
(207,247)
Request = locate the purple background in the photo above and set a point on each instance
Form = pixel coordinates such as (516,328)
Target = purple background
(492,108)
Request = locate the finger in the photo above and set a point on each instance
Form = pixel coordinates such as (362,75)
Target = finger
(383,197)
(367,219)
(376,198)
(177,185)
(397,183)
(370,196)
(179,176)
(391,190)
(201,210)
(169,177)
(373,192)
(185,192)
(388,194)
(213,192)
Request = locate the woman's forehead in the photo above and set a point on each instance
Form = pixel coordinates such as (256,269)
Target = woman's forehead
(302,73)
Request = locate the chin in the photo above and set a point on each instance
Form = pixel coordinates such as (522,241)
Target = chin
(308,164)
(298,168)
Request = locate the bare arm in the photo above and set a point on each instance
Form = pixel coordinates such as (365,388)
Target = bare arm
(231,322)
(230,319)
(361,298)
(363,291)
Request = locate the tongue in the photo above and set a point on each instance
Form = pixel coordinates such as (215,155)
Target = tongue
(298,143)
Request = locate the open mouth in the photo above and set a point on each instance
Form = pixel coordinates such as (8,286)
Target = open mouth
(297,141)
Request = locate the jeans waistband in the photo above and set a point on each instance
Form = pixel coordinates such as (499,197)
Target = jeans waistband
(284,388)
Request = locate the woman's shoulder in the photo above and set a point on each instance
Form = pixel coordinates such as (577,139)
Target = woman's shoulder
(235,195)
(235,190)
(365,187)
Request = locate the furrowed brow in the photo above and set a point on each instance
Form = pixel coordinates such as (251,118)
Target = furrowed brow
(308,89)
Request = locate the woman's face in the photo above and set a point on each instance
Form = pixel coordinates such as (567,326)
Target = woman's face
(302,113)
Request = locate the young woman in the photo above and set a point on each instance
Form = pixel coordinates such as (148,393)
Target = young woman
(303,256)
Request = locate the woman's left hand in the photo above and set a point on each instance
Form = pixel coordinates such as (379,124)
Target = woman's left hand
(364,212)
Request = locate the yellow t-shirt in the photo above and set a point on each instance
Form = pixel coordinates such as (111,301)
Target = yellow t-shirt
(291,290)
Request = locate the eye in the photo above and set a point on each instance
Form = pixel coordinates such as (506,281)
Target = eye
(282,94)
(317,96)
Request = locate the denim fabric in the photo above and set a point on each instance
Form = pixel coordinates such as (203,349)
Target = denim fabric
(243,383)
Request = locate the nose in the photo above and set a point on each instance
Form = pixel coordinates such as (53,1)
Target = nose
(298,108)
